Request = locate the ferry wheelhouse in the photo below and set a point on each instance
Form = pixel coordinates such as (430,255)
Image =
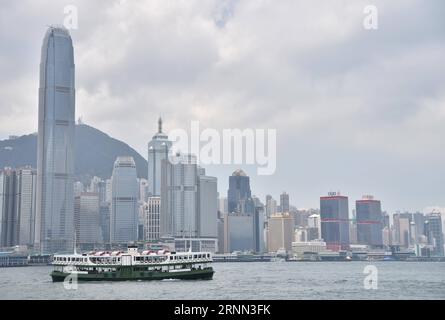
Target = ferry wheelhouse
(132,265)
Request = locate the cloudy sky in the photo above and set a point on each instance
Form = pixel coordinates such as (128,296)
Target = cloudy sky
(361,111)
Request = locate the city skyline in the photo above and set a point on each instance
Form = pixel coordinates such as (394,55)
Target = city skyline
(402,128)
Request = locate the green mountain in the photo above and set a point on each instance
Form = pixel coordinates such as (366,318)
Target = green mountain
(95,153)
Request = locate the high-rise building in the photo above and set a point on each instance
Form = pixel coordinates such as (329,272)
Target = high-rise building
(239,195)
(284,202)
(239,233)
(434,233)
(158,149)
(281,232)
(207,206)
(152,211)
(124,203)
(8,210)
(55,146)
(313,227)
(369,221)
(87,221)
(97,185)
(105,210)
(179,197)
(222,205)
(271,206)
(78,188)
(402,222)
(334,214)
(26,205)
(143,190)
(189,203)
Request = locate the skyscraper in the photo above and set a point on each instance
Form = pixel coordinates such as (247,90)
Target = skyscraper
(207,206)
(55,147)
(402,223)
(8,211)
(87,220)
(179,204)
(284,202)
(369,221)
(124,201)
(158,149)
(26,205)
(239,195)
(271,206)
(152,211)
(434,233)
(281,232)
(334,214)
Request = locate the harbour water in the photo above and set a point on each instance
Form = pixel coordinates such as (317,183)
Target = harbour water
(258,280)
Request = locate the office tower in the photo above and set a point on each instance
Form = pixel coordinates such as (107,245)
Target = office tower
(369,221)
(143,190)
(152,212)
(418,220)
(313,230)
(401,223)
(105,213)
(271,206)
(124,204)
(87,221)
(386,222)
(55,146)
(158,149)
(258,228)
(99,186)
(239,195)
(222,205)
(221,239)
(207,206)
(26,205)
(108,191)
(8,211)
(239,232)
(334,214)
(302,216)
(179,197)
(242,223)
(281,232)
(189,204)
(434,233)
(78,188)
(284,202)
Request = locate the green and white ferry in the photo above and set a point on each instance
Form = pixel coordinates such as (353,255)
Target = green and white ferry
(133,265)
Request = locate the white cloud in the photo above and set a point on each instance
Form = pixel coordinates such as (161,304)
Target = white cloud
(351,106)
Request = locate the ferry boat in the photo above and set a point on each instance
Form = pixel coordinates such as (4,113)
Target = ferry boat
(133,265)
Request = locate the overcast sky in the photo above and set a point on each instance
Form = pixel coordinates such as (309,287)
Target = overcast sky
(361,111)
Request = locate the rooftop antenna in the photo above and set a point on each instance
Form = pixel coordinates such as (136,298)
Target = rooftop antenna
(160,125)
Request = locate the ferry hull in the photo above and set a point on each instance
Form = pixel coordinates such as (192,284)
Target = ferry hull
(127,274)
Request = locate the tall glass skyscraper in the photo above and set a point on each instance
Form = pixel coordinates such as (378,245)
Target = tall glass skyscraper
(26,205)
(55,153)
(179,206)
(124,201)
(334,214)
(369,222)
(158,149)
(239,195)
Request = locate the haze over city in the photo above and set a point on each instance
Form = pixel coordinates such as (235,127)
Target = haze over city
(360,111)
